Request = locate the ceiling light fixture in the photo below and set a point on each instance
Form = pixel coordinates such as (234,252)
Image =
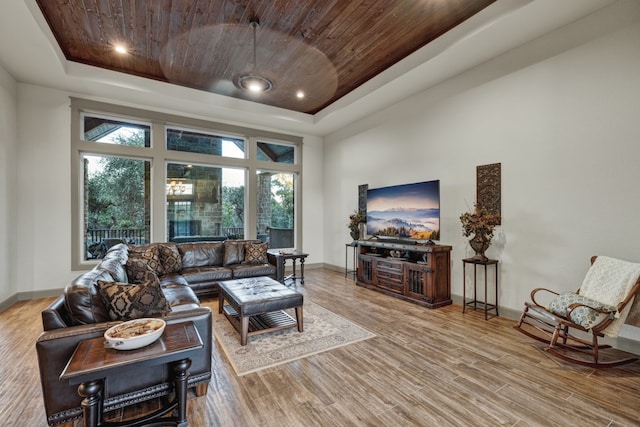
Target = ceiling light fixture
(120,48)
(252,81)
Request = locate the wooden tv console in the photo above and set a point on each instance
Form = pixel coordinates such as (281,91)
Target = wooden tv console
(417,273)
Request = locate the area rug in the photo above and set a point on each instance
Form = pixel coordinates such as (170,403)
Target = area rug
(323,330)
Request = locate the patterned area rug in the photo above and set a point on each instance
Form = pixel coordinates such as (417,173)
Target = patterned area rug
(323,330)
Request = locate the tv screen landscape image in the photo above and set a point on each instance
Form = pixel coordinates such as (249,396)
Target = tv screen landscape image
(409,211)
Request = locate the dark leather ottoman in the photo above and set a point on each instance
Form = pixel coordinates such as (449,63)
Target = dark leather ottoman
(256,304)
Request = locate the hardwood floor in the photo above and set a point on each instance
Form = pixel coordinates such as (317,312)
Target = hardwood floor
(424,368)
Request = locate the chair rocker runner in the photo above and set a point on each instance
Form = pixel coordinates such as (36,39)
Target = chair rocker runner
(599,308)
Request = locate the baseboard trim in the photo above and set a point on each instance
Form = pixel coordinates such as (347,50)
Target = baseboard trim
(8,302)
(39,294)
(24,296)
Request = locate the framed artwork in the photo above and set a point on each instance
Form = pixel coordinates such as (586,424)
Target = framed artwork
(488,190)
(362,198)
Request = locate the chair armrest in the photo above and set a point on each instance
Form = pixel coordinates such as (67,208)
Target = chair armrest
(276,259)
(536,290)
(55,315)
(610,310)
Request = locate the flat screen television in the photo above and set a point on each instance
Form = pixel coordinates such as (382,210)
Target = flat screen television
(405,212)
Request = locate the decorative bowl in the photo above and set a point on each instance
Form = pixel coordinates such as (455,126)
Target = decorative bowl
(134,334)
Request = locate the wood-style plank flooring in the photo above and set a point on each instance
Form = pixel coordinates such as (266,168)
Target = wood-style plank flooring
(424,368)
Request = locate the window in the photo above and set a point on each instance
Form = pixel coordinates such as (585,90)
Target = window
(141,176)
(276,202)
(116,195)
(115,189)
(204,202)
(204,143)
(276,153)
(112,131)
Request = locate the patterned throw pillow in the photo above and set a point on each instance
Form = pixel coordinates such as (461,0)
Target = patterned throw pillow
(126,302)
(583,316)
(233,252)
(255,253)
(150,254)
(139,272)
(170,258)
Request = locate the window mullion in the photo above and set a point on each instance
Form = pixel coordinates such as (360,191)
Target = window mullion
(158,180)
(251,196)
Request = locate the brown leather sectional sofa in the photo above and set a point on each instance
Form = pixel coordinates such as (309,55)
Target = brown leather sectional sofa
(185,272)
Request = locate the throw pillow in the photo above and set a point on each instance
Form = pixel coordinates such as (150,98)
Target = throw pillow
(586,317)
(125,301)
(139,272)
(150,254)
(255,253)
(233,252)
(170,258)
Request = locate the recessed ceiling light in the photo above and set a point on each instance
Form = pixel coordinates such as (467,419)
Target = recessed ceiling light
(253,83)
(120,48)
(300,94)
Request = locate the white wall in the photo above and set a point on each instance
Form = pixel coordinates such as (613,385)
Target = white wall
(562,115)
(44,208)
(8,190)
(313,207)
(44,205)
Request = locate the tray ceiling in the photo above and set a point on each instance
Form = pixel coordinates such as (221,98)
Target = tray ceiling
(325,49)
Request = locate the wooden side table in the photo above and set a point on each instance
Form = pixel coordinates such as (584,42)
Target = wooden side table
(281,259)
(484,304)
(92,363)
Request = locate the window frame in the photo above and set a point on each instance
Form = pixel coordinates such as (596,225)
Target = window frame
(296,194)
(159,156)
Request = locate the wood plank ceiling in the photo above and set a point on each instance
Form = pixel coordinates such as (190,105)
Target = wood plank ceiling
(325,48)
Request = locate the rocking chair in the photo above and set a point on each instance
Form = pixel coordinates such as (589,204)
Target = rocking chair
(599,307)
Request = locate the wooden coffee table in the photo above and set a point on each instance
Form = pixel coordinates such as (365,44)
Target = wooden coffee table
(92,363)
(256,304)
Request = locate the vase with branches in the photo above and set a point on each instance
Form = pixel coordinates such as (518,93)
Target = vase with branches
(481,223)
(355,219)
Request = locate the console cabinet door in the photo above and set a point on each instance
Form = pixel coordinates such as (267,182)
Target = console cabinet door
(366,269)
(419,282)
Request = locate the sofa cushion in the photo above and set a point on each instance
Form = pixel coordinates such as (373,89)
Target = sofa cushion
(119,251)
(115,267)
(172,279)
(241,271)
(149,254)
(255,253)
(206,274)
(233,252)
(201,254)
(180,296)
(125,301)
(82,299)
